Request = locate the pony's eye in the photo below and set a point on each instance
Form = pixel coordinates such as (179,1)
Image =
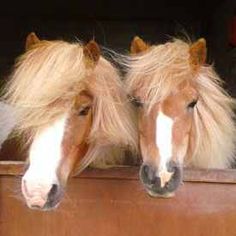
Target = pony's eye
(136,101)
(192,104)
(84,111)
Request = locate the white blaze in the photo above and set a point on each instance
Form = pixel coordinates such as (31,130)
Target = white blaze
(164,125)
(45,155)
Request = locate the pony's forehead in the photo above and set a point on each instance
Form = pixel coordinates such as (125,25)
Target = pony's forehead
(169,58)
(159,72)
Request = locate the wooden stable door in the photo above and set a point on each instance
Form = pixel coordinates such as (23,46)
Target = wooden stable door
(114,203)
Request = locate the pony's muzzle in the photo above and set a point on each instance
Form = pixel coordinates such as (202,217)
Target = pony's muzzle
(161,184)
(41,196)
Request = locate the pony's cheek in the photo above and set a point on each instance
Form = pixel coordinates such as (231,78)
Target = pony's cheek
(74,145)
(72,164)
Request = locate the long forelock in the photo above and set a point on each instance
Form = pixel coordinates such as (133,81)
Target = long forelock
(153,75)
(44,83)
(49,77)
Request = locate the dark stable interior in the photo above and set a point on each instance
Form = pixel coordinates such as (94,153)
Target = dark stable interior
(113,24)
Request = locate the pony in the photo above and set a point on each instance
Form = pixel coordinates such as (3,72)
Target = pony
(185,117)
(71,106)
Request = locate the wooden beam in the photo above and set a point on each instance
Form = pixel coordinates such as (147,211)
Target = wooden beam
(11,168)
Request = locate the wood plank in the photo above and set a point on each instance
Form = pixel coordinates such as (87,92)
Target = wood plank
(131,173)
(110,207)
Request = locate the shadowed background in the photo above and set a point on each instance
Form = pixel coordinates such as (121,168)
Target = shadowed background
(114,23)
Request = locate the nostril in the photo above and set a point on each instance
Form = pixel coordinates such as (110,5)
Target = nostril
(172,166)
(145,170)
(53,192)
(176,178)
(148,174)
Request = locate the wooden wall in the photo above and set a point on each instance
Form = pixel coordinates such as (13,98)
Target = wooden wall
(113,203)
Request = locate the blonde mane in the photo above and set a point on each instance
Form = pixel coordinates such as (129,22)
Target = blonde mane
(47,80)
(154,74)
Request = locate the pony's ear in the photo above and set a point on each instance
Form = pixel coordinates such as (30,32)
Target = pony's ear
(138,45)
(92,51)
(198,53)
(31,40)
